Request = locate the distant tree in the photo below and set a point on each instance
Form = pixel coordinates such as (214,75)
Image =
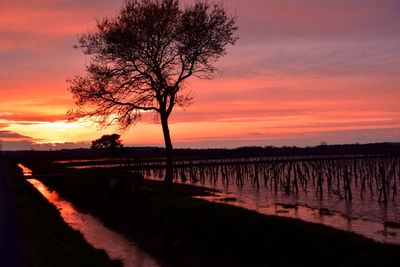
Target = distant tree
(141,58)
(112,141)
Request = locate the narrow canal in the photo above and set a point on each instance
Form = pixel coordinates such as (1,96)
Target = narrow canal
(95,233)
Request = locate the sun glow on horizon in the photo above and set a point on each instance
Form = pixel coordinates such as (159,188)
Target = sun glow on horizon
(56,132)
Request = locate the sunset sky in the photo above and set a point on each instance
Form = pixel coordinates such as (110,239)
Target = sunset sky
(303,72)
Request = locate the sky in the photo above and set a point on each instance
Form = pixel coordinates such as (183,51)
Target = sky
(303,72)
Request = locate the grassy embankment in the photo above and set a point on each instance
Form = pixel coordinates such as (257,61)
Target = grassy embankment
(183,231)
(47,239)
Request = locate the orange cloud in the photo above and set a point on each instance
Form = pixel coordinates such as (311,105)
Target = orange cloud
(301,70)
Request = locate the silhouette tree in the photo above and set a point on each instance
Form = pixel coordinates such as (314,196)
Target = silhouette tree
(141,58)
(112,141)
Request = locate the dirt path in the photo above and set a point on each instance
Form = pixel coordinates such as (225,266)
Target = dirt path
(10,247)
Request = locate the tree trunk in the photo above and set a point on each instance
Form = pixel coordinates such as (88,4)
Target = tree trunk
(169,172)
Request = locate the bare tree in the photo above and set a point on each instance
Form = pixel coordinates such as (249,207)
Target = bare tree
(141,58)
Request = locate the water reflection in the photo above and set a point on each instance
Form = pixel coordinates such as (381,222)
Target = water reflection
(116,245)
(26,171)
(345,192)
(375,230)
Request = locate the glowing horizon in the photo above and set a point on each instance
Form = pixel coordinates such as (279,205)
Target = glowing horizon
(302,72)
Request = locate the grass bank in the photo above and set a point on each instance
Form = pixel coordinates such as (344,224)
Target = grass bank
(47,239)
(183,231)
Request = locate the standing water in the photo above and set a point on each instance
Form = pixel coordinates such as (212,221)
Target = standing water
(94,232)
(356,193)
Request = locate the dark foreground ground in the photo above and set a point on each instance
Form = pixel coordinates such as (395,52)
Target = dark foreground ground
(180,230)
(47,241)
(10,243)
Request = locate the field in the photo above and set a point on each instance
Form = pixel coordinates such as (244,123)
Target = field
(180,230)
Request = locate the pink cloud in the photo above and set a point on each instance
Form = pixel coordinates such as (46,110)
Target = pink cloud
(300,66)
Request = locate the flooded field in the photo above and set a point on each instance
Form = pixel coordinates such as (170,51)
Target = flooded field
(352,193)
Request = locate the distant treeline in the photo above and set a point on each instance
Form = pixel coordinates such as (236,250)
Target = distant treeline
(250,151)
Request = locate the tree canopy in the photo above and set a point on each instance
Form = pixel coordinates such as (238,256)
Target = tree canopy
(141,58)
(107,141)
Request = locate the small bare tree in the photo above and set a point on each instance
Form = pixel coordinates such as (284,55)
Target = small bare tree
(141,58)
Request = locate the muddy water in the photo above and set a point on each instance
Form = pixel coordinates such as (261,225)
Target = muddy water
(95,233)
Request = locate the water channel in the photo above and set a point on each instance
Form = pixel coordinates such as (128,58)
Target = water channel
(93,230)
